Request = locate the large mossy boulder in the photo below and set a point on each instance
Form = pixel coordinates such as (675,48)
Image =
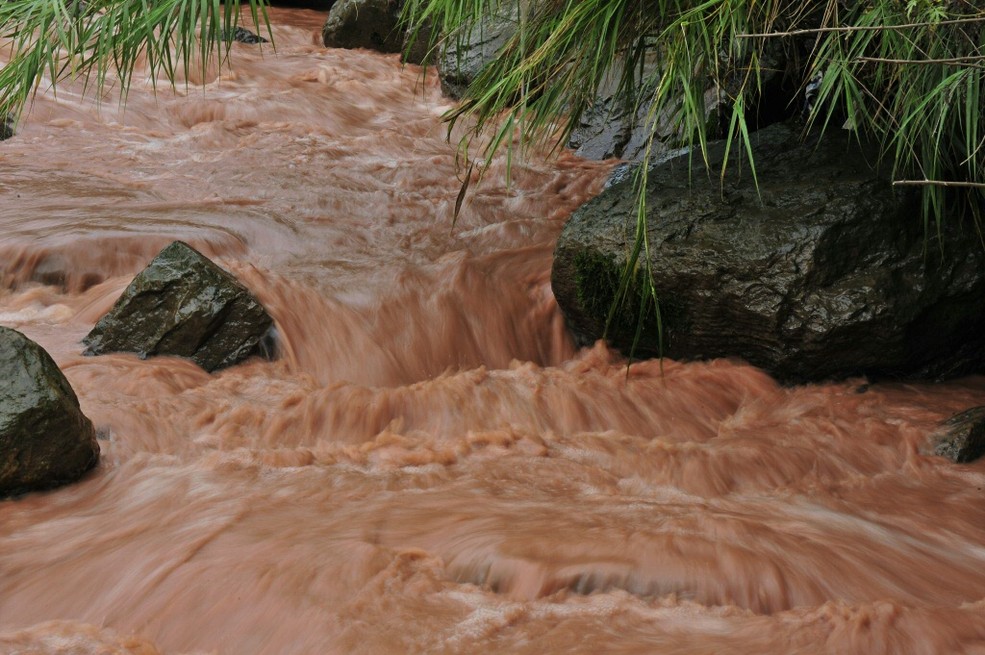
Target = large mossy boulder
(183,305)
(825,271)
(45,439)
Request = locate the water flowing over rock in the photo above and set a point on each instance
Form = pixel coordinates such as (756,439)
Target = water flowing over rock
(962,437)
(183,305)
(371,24)
(824,272)
(45,439)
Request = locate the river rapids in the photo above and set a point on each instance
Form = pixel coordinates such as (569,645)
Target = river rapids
(431,465)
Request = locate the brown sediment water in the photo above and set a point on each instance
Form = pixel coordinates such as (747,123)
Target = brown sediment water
(431,466)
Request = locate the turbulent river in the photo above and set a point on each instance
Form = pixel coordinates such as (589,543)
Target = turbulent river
(430,466)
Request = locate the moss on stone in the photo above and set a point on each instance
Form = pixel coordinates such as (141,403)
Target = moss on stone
(597,283)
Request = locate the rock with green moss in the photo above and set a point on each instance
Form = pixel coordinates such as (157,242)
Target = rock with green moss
(824,271)
(45,439)
(183,305)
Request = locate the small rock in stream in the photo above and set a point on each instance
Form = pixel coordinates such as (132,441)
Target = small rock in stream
(242,35)
(6,127)
(184,305)
(45,439)
(961,438)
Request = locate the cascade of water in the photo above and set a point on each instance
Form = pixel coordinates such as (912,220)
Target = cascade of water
(431,466)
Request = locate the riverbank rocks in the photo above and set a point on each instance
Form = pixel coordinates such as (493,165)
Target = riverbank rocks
(45,439)
(611,126)
(185,306)
(466,54)
(961,438)
(824,272)
(372,24)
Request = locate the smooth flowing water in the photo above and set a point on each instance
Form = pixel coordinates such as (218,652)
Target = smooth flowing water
(431,466)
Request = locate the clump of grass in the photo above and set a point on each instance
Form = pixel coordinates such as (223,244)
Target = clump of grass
(96,40)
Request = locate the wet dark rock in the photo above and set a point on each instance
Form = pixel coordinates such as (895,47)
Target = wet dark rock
(371,24)
(418,45)
(613,126)
(183,305)
(961,438)
(243,35)
(6,127)
(610,128)
(827,274)
(45,439)
(467,54)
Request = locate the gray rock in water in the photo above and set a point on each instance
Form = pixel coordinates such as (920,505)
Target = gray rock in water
(371,24)
(961,437)
(45,439)
(825,272)
(183,305)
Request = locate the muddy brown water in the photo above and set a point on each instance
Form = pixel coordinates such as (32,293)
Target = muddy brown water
(431,466)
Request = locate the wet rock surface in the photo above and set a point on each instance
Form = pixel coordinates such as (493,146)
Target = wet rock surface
(45,439)
(243,35)
(371,24)
(826,272)
(961,438)
(468,53)
(183,305)
(6,127)
(613,126)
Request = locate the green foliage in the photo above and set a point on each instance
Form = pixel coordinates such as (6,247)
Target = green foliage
(905,73)
(95,40)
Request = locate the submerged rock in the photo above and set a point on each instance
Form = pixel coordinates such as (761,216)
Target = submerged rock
(371,24)
(961,437)
(823,272)
(45,439)
(183,305)
(243,35)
